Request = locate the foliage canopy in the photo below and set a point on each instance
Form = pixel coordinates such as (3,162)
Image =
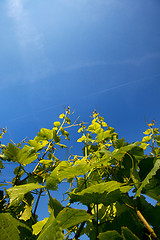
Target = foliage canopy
(111,179)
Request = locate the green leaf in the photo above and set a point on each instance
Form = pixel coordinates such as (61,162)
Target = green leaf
(119,143)
(37,144)
(27,213)
(106,193)
(68,120)
(61,115)
(57,124)
(55,205)
(56,137)
(9,227)
(45,134)
(70,217)
(119,153)
(1,165)
(148,177)
(157,138)
(154,193)
(144,146)
(17,193)
(146,139)
(23,156)
(46,163)
(83,138)
(11,152)
(37,227)
(66,170)
(101,136)
(147,132)
(3,157)
(128,235)
(110,235)
(51,230)
(94,127)
(26,155)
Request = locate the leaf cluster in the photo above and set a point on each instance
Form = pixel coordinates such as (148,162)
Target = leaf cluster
(111,178)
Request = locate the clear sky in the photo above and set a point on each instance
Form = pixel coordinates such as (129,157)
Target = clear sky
(88,54)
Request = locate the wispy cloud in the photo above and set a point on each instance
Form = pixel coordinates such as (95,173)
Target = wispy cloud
(35,62)
(151,77)
(127,61)
(27,34)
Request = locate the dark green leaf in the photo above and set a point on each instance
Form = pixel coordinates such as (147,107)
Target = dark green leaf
(9,227)
(128,235)
(148,177)
(55,205)
(110,235)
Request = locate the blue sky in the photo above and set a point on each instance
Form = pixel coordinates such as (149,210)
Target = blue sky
(89,54)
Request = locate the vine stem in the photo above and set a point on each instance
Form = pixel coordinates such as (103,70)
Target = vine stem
(151,231)
(39,195)
(97,222)
(49,145)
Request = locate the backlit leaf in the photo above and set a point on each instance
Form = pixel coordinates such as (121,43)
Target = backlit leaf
(69,217)
(147,132)
(45,134)
(106,193)
(57,124)
(16,193)
(37,227)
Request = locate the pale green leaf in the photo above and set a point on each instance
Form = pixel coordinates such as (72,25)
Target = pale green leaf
(57,124)
(144,146)
(94,127)
(83,138)
(147,132)
(37,144)
(37,227)
(16,193)
(46,163)
(45,134)
(27,213)
(26,155)
(61,115)
(146,139)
